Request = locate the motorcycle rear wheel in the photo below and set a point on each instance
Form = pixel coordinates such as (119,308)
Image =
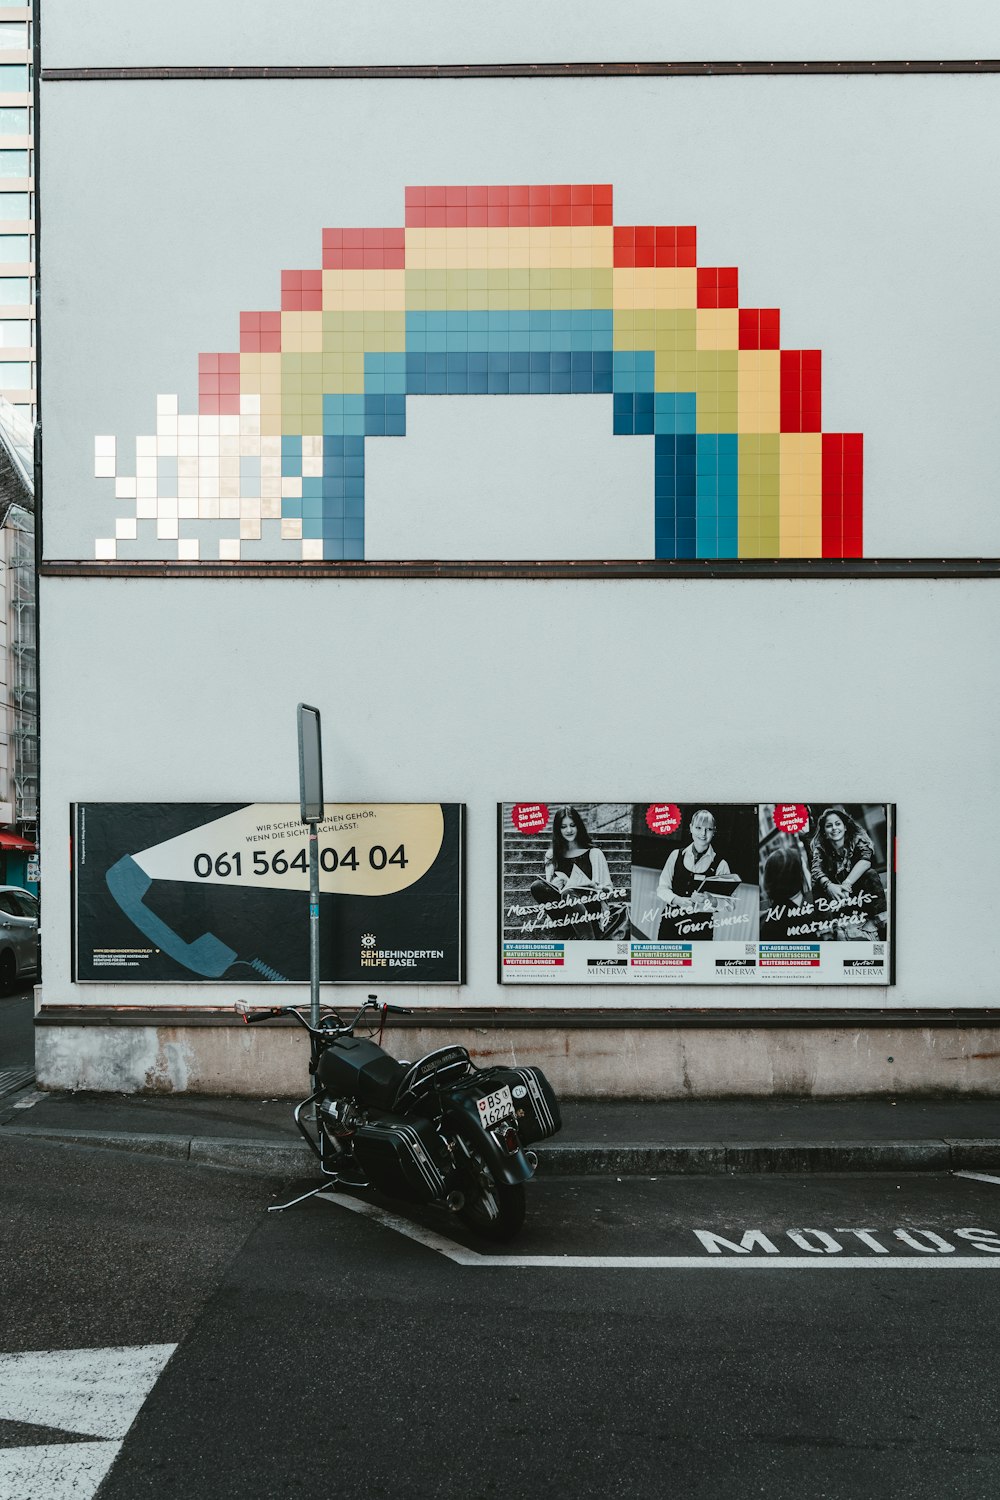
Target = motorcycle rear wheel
(510,1201)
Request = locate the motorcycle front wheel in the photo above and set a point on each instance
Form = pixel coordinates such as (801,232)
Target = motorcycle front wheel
(509,1201)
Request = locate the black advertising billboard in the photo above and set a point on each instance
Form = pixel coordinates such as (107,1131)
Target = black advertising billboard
(696,893)
(218,892)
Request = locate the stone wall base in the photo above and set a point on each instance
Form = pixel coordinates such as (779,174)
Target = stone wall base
(630,1063)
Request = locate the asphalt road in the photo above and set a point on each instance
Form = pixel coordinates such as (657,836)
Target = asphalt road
(17,1036)
(321,1350)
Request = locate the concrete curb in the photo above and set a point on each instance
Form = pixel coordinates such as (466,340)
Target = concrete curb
(648,1159)
(751,1158)
(149,1145)
(210,1151)
(256,1155)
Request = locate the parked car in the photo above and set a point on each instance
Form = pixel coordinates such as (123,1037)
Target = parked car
(18,935)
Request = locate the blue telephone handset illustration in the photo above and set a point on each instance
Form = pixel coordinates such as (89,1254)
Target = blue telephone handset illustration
(207,955)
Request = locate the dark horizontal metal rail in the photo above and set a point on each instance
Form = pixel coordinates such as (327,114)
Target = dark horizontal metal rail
(815,569)
(494,1018)
(721,69)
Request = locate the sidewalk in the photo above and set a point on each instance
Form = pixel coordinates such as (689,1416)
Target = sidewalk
(626,1138)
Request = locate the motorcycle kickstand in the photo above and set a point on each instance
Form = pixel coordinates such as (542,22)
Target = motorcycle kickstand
(324,1187)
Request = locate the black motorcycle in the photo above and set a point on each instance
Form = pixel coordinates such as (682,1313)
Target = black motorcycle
(439,1130)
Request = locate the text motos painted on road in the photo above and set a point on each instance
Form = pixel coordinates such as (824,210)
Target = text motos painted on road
(849,1241)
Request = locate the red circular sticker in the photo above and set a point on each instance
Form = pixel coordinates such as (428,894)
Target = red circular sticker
(530,817)
(791,817)
(663,817)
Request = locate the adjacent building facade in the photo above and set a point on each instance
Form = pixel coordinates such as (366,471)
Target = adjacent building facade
(602,437)
(18,654)
(17,210)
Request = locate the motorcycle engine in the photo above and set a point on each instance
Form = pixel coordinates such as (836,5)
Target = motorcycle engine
(341,1116)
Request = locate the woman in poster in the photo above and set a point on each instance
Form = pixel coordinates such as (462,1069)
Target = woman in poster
(577,879)
(689,910)
(843,857)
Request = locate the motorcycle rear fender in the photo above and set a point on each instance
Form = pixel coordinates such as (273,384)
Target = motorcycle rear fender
(508,1167)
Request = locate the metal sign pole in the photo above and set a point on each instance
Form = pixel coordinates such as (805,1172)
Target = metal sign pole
(313,926)
(311,808)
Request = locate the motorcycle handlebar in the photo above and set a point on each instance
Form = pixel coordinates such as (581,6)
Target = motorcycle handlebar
(253,1015)
(250,1017)
(393,1010)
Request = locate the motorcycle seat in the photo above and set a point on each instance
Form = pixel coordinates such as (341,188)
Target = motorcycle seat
(435,1070)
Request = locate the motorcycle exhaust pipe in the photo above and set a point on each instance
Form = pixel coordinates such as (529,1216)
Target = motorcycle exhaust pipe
(455,1201)
(531,1159)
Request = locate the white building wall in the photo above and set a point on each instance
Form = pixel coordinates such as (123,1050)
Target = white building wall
(447,31)
(856,204)
(837,198)
(432,689)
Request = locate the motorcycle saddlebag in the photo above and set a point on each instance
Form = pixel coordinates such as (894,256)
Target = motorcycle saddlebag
(535,1104)
(403,1158)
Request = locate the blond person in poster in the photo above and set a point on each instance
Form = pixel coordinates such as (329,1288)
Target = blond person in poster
(688,911)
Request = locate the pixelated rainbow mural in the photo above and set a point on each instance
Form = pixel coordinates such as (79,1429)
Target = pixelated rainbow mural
(497,291)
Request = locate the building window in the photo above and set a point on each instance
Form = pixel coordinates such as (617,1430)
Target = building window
(13,164)
(15,375)
(15,291)
(14,78)
(15,205)
(15,247)
(15,333)
(13,121)
(14,34)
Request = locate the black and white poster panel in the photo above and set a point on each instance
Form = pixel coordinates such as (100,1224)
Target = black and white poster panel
(219,892)
(696,893)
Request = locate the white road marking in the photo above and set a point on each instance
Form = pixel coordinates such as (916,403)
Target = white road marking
(29,1100)
(978,1177)
(55,1471)
(463,1257)
(427,1237)
(13,1079)
(735,1262)
(95,1392)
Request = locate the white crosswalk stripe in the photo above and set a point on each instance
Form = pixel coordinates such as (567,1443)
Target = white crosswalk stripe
(55,1471)
(92,1393)
(13,1079)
